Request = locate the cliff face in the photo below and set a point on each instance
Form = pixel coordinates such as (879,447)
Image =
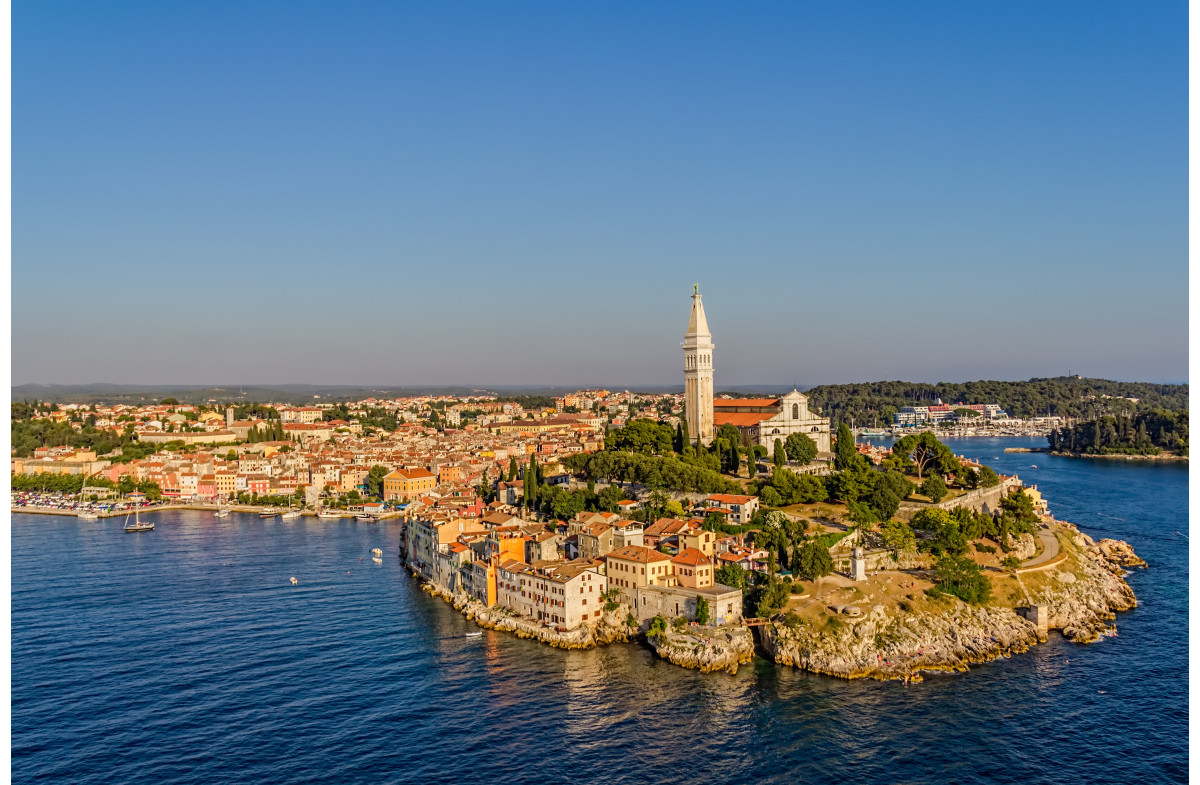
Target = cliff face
(881,645)
(705,649)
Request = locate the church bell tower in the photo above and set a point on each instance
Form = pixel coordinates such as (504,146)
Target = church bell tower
(698,373)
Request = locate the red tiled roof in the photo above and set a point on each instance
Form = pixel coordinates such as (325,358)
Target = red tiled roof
(740,419)
(735,402)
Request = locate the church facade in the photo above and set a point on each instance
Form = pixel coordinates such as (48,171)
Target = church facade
(763,420)
(760,420)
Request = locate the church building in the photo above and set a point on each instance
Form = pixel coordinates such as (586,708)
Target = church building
(760,420)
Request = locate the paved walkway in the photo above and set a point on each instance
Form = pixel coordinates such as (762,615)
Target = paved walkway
(1050,548)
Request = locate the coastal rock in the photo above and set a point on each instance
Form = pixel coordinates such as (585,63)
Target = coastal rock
(705,649)
(880,646)
(1081,603)
(1119,553)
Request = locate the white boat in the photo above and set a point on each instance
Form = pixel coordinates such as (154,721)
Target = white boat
(287,516)
(137,525)
(365,517)
(474,634)
(377,560)
(87,515)
(220,513)
(377,551)
(325,514)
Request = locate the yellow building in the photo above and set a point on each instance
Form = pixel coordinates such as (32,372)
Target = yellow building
(404,484)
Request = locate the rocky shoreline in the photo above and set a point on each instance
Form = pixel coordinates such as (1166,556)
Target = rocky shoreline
(612,627)
(706,649)
(887,647)
(1081,604)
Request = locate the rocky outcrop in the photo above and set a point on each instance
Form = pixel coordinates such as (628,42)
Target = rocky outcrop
(1081,602)
(705,649)
(1119,553)
(1023,547)
(611,628)
(883,646)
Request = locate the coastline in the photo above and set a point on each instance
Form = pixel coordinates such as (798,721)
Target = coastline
(241,508)
(1164,457)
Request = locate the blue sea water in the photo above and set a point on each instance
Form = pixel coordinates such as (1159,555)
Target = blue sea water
(184,655)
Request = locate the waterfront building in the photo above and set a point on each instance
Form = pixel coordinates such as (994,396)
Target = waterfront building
(404,484)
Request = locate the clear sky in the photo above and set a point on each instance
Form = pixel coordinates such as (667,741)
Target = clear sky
(511,193)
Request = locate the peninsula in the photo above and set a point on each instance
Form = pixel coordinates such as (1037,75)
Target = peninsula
(713,527)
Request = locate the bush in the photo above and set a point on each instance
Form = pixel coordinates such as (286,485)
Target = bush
(1011,562)
(792,619)
(658,627)
(796,588)
(985,548)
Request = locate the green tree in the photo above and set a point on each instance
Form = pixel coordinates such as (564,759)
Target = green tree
(778,454)
(845,453)
(988,477)
(751,463)
(800,449)
(375,480)
(962,578)
(770,497)
(898,537)
(813,561)
(731,575)
(702,610)
(934,488)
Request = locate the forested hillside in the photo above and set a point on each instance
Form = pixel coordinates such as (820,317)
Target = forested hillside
(1065,396)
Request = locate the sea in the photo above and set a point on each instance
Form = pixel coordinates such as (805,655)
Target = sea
(185,655)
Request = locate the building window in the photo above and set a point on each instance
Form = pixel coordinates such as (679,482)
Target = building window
(795,411)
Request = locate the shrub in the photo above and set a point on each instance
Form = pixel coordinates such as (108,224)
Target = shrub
(985,548)
(658,627)
(1011,562)
(796,588)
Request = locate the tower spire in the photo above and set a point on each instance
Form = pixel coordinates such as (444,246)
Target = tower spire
(698,372)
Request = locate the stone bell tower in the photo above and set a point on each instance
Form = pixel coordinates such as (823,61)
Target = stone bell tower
(698,373)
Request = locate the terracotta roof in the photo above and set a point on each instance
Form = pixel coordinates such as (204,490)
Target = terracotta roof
(691,557)
(638,553)
(727,498)
(740,419)
(735,402)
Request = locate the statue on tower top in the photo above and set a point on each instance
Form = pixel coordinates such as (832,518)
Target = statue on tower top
(696,288)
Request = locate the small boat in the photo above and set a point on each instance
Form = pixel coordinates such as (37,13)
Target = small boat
(137,525)
(1033,466)
(377,551)
(294,581)
(474,634)
(377,560)
(365,517)
(324,514)
(287,516)
(267,513)
(221,513)
(87,515)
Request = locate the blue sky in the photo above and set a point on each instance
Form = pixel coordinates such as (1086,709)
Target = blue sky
(512,193)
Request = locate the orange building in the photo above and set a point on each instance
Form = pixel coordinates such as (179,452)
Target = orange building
(404,484)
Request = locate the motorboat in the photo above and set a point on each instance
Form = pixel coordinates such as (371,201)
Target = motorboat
(287,516)
(326,514)
(365,517)
(87,515)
